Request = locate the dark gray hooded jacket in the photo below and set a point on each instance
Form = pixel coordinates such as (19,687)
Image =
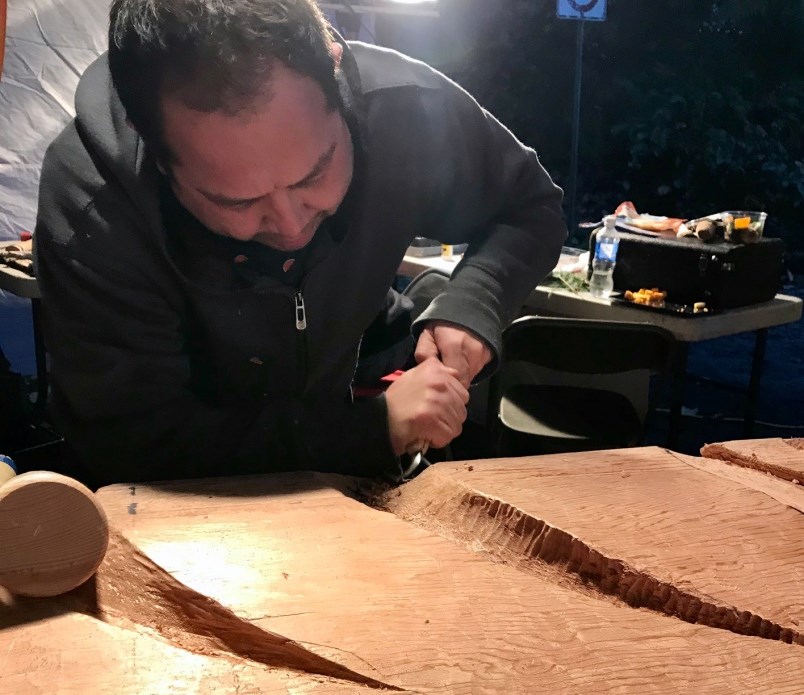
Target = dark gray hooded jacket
(169,360)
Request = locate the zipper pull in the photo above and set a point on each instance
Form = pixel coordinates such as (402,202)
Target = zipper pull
(301,315)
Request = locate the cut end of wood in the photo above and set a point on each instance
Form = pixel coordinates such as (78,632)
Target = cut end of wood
(782,458)
(53,534)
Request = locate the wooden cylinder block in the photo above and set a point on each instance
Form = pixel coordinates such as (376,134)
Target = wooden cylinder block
(53,534)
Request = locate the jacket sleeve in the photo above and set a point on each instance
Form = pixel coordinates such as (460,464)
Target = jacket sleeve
(123,392)
(504,204)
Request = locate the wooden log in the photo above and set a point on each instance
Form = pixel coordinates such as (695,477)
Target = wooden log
(787,493)
(427,606)
(783,458)
(129,588)
(642,525)
(69,653)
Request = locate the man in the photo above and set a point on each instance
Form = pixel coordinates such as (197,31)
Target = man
(221,223)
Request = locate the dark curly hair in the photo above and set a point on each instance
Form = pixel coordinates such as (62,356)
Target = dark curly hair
(215,55)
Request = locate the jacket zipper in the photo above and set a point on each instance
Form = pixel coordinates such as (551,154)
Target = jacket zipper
(301,327)
(300,445)
(301,314)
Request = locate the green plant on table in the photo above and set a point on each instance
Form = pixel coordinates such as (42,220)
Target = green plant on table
(574,282)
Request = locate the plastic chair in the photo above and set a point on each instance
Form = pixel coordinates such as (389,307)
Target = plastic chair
(549,395)
(424,288)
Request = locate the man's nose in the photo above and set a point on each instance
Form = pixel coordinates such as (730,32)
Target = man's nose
(284,214)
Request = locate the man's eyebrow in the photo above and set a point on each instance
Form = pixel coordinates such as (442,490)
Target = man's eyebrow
(317,169)
(225,200)
(320,165)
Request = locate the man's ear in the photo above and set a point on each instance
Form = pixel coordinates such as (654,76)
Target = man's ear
(336,51)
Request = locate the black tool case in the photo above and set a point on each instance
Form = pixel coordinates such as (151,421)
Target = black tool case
(724,275)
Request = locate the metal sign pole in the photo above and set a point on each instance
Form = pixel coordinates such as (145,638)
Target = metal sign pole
(580,11)
(576,127)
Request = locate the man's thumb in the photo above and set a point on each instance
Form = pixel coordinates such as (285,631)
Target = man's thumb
(425,347)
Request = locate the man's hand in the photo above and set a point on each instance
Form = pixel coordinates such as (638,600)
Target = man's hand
(457,347)
(426,406)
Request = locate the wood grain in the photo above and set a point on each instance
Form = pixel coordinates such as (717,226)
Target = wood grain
(53,534)
(783,491)
(783,458)
(639,524)
(75,654)
(418,605)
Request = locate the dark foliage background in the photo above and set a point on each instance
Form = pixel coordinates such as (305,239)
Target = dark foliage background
(687,108)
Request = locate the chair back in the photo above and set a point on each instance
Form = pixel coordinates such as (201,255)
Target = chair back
(551,362)
(424,288)
(587,346)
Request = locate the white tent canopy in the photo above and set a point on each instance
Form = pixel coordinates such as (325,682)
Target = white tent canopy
(49,43)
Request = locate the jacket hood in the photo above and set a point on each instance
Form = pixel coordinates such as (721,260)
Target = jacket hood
(114,144)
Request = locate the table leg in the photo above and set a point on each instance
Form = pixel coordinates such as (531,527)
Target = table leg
(40,354)
(679,378)
(753,384)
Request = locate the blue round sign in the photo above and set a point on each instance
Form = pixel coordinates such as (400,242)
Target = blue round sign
(582,7)
(594,10)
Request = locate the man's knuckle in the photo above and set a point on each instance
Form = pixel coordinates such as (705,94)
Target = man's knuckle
(440,440)
(420,418)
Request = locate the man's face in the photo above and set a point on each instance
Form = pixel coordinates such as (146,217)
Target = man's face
(272,173)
